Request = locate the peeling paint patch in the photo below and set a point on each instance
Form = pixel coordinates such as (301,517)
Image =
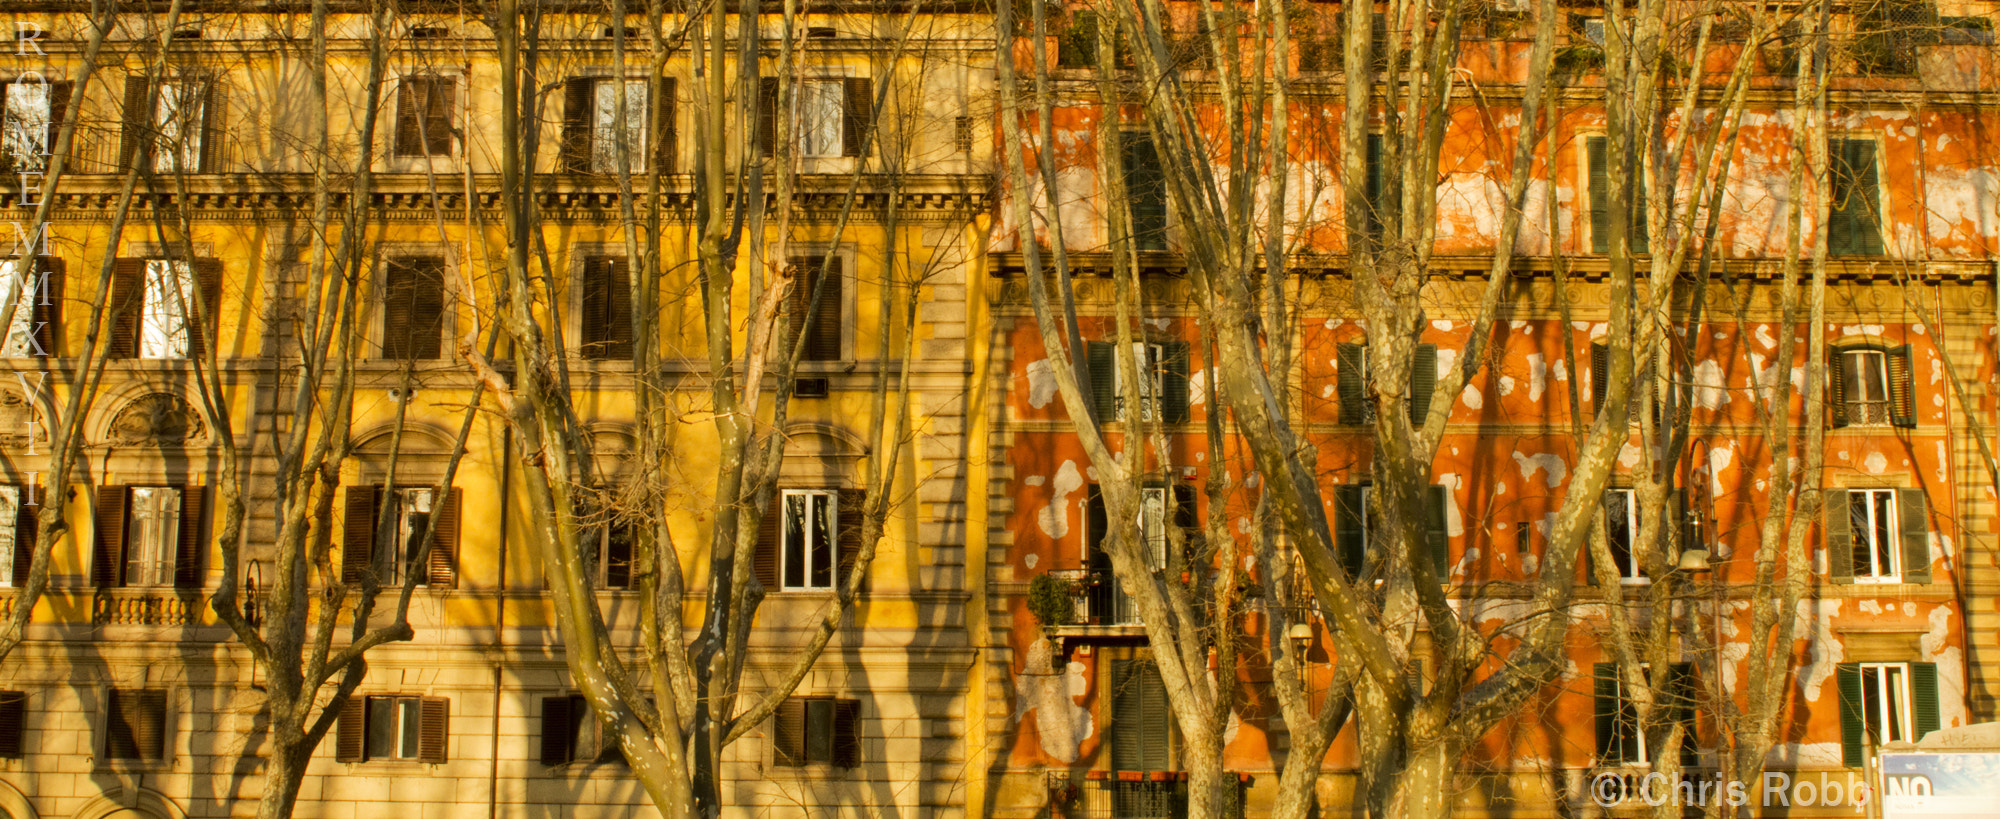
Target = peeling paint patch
(1709,390)
(1875,463)
(1861,330)
(1198,388)
(1332,323)
(1454,522)
(1041,383)
(1035,480)
(1547,462)
(1538,376)
(1442,325)
(1764,337)
(1471,397)
(1031,559)
(1823,650)
(1628,455)
(1054,518)
(1506,385)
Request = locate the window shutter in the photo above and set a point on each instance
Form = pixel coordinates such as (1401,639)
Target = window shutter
(409,138)
(1836,389)
(439,104)
(149,724)
(1604,691)
(1096,524)
(1837,526)
(1683,692)
(120,741)
(348,745)
(847,733)
(13,723)
(1145,190)
(192,545)
(1077,47)
(1853,730)
(441,567)
(666,133)
(1350,387)
(857,116)
(607,309)
(1349,531)
(1373,187)
(1103,378)
(357,549)
(1853,226)
(1423,381)
(788,733)
(58,113)
(47,314)
(1924,698)
(1174,383)
(413,308)
(558,731)
(767,115)
(847,541)
(27,529)
(618,554)
(1437,533)
(135,138)
(1914,519)
(434,726)
(214,122)
(202,321)
(107,565)
(1139,719)
(128,298)
(824,331)
(618,341)
(1600,376)
(1600,195)
(1187,516)
(579,115)
(1902,388)
(769,543)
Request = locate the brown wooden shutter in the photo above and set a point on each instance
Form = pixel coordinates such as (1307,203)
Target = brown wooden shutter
(558,732)
(1837,536)
(59,94)
(767,115)
(128,298)
(579,115)
(192,545)
(413,308)
(1914,537)
(348,745)
(136,724)
(152,724)
(607,309)
(847,541)
(214,119)
(618,554)
(1902,388)
(847,733)
(441,105)
(857,116)
(136,137)
(823,332)
(47,314)
(202,321)
(666,135)
(788,733)
(409,140)
(13,723)
(27,528)
(434,726)
(107,563)
(770,543)
(441,568)
(357,550)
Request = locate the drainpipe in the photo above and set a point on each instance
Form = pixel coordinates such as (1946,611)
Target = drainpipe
(500,626)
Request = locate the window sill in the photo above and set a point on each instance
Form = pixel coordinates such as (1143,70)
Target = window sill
(821,771)
(133,765)
(398,766)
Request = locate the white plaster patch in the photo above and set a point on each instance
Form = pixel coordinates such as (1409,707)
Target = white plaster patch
(1506,385)
(1041,383)
(1861,330)
(1035,480)
(1548,462)
(1764,337)
(1937,648)
(1823,650)
(1937,370)
(1709,391)
(1875,463)
(1598,330)
(1471,397)
(1031,559)
(1054,518)
(1198,388)
(1538,376)
(1442,326)
(1718,461)
(1332,323)
(1941,461)
(1447,359)
(1326,391)
(1454,522)
(1628,455)
(1870,606)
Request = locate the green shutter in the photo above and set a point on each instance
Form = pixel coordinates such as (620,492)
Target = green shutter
(1438,535)
(1095,524)
(1683,692)
(1174,383)
(1838,525)
(1352,411)
(1600,195)
(1853,729)
(1600,376)
(1854,223)
(1140,723)
(1349,535)
(1605,694)
(1145,190)
(1102,379)
(1423,381)
(1914,520)
(1924,698)
(1376,212)
(1902,388)
(1637,235)
(1836,389)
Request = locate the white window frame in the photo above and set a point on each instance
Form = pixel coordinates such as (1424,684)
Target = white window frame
(21,284)
(1628,715)
(461,116)
(1153,517)
(1633,573)
(29,112)
(1882,518)
(10,509)
(1894,680)
(809,498)
(404,733)
(1864,409)
(819,111)
(409,501)
(1150,358)
(152,536)
(1367,512)
(164,325)
(603,123)
(178,125)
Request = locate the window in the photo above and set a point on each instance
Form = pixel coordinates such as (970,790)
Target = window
(809,731)
(1593,30)
(815,306)
(154,538)
(1890,32)
(393,727)
(1878,536)
(606,309)
(173,127)
(13,724)
(1375,187)
(1159,506)
(1145,190)
(1966,30)
(425,110)
(169,301)
(1854,223)
(811,519)
(413,308)
(609,536)
(1076,47)
(156,302)
(178,118)
(1871,386)
(1353,378)
(591,132)
(36,290)
(1162,389)
(1597,151)
(828,117)
(1353,523)
(411,513)
(135,724)
(148,537)
(30,120)
(1621,533)
(17,542)
(1141,730)
(1882,702)
(1621,740)
(572,733)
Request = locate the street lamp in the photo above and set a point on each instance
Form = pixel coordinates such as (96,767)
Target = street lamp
(1694,555)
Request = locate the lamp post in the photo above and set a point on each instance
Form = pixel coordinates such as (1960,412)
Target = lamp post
(1693,558)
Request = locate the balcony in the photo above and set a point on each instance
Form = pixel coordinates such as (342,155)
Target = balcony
(1124,795)
(1099,605)
(145,607)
